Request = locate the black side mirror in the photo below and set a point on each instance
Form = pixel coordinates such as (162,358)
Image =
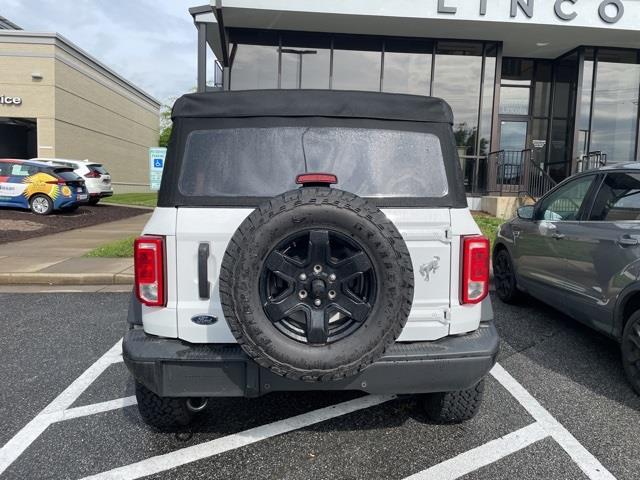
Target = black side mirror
(526,212)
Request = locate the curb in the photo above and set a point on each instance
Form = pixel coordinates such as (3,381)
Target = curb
(140,207)
(66,279)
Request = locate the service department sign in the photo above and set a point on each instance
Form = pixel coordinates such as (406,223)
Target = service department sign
(9,100)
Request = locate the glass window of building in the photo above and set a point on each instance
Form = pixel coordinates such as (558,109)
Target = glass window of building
(583,122)
(564,100)
(514,100)
(615,105)
(407,66)
(517,71)
(542,88)
(305,60)
(457,78)
(515,90)
(255,59)
(357,62)
(255,67)
(488,91)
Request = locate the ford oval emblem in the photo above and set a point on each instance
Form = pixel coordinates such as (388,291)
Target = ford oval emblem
(204,319)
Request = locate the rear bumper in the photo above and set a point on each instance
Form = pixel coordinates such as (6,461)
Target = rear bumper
(173,368)
(101,194)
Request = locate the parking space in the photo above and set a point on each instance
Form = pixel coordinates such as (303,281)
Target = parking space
(556,406)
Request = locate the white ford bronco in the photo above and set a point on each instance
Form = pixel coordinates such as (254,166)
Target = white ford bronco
(310,240)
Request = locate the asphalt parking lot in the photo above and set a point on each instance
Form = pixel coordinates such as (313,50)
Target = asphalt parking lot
(556,407)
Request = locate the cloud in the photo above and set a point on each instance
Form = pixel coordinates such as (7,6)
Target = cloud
(150,43)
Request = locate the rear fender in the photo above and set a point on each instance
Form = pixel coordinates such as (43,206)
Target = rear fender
(625,296)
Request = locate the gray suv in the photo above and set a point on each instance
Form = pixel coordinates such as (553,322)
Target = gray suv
(578,250)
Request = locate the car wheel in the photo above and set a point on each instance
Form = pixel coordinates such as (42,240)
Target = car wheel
(631,351)
(162,413)
(94,201)
(504,278)
(454,407)
(41,204)
(308,286)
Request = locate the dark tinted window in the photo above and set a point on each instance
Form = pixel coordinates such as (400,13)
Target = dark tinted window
(565,203)
(100,169)
(66,174)
(263,162)
(618,198)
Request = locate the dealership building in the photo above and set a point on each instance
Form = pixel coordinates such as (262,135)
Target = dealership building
(57,101)
(539,89)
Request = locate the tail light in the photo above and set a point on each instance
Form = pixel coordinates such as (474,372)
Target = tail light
(148,259)
(92,174)
(316,179)
(60,181)
(475,269)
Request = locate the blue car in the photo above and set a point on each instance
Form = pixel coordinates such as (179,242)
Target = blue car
(40,187)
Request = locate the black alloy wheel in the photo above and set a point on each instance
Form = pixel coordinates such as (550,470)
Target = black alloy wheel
(631,351)
(504,278)
(318,286)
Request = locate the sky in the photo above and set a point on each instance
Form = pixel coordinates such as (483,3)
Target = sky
(150,43)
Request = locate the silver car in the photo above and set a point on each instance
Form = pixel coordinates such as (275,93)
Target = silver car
(578,250)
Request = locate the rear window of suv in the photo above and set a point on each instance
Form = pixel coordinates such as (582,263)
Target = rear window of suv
(263,162)
(98,168)
(66,174)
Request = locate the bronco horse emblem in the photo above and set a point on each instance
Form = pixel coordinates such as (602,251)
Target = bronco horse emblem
(426,269)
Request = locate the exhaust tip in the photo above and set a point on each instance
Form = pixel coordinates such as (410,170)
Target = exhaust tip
(196,405)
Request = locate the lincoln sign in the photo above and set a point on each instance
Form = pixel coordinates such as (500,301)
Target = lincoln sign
(609,11)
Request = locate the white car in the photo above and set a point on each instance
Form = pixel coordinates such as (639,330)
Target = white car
(254,275)
(96,177)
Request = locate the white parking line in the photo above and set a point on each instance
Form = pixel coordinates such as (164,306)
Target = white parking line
(583,458)
(96,408)
(204,450)
(483,455)
(32,430)
(545,426)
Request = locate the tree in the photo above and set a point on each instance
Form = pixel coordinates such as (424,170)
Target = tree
(165,123)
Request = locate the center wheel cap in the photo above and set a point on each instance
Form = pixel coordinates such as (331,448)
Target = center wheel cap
(318,289)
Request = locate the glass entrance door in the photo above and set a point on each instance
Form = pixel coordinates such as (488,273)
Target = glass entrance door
(514,138)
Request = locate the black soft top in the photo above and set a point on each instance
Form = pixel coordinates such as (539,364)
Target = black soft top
(313,103)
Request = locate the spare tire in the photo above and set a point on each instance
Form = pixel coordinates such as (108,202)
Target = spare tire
(316,284)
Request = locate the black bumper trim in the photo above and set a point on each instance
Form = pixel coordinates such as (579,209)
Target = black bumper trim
(174,368)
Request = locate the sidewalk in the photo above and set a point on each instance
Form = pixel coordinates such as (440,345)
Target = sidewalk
(58,259)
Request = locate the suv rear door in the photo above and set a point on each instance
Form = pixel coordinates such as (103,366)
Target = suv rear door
(427,233)
(227,166)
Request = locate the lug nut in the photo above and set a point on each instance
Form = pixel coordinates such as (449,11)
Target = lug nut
(317,302)
(317,268)
(332,277)
(303,277)
(302,294)
(332,294)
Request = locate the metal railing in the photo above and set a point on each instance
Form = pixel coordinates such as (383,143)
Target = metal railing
(591,160)
(537,180)
(517,173)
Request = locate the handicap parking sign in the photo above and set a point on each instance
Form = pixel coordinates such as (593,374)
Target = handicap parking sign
(156,165)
